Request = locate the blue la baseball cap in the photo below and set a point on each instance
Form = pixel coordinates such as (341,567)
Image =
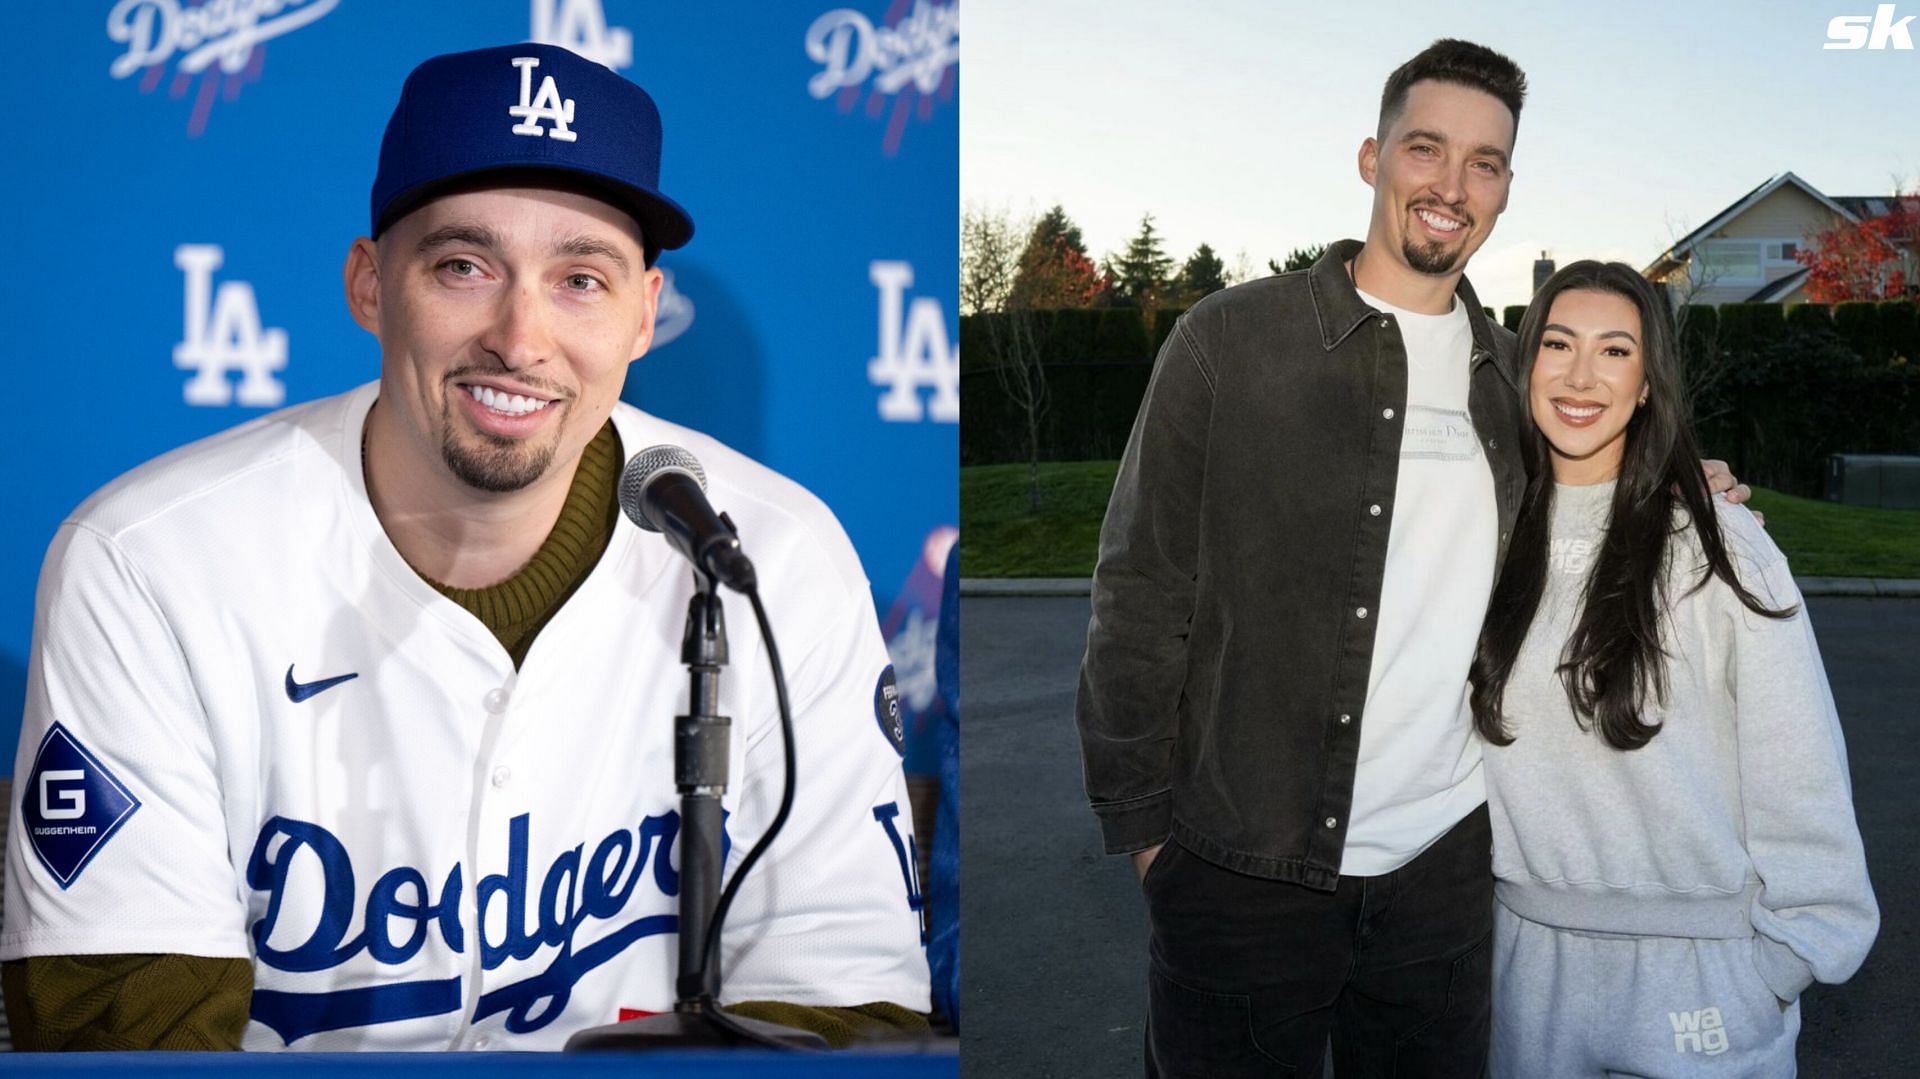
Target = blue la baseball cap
(538,111)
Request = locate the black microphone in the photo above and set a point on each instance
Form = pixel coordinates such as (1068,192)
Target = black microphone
(664,490)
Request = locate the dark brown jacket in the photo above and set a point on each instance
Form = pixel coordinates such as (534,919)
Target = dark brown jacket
(1221,698)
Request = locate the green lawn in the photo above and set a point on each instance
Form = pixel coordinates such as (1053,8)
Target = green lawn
(1001,537)
(1825,539)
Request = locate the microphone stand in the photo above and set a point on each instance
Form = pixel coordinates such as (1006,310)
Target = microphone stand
(700,774)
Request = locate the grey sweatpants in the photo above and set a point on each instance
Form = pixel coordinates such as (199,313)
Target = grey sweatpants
(1573,1005)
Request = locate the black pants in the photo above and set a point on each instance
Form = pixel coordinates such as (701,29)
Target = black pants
(1249,977)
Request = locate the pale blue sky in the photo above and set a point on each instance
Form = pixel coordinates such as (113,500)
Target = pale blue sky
(1238,123)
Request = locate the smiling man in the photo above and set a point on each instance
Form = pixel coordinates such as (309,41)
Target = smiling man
(352,727)
(1295,563)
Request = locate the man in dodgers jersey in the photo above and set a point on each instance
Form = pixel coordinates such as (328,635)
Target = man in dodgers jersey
(351,727)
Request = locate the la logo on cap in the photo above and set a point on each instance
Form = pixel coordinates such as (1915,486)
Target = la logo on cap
(547,105)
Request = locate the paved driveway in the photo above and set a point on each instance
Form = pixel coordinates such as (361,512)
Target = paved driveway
(1055,936)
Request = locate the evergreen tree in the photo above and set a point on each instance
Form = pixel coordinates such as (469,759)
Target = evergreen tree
(1300,258)
(1204,272)
(1143,268)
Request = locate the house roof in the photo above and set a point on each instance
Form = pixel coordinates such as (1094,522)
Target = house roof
(1865,206)
(1672,257)
(1774,290)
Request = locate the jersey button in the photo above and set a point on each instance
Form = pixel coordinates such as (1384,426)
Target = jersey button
(1360,613)
(496,701)
(482,1042)
(501,775)
(1332,822)
(1345,719)
(1374,509)
(1386,413)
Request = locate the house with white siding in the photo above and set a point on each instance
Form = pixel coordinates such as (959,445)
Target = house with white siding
(1746,251)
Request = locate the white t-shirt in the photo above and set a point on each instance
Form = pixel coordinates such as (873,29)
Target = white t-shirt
(253,731)
(1419,767)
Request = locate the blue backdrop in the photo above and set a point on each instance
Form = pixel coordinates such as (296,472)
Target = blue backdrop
(184,180)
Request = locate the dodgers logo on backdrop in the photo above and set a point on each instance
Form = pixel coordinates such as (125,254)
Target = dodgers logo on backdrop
(910,58)
(912,626)
(228,31)
(581,26)
(673,316)
(916,352)
(72,805)
(223,334)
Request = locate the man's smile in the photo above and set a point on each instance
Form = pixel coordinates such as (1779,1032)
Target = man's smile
(1438,223)
(507,404)
(499,408)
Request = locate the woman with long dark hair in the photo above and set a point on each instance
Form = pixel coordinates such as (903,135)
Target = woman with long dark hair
(1675,850)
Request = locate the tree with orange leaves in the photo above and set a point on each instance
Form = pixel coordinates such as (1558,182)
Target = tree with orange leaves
(1867,260)
(1054,270)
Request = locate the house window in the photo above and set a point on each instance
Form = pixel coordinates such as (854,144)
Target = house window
(1727,262)
(1783,252)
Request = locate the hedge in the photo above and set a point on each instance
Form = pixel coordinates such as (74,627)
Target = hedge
(1069,335)
(1090,410)
(1776,389)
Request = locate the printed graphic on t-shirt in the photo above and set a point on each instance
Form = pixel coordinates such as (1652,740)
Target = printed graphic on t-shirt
(1572,557)
(1438,434)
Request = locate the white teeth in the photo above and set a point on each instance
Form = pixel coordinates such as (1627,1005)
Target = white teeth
(1440,223)
(510,404)
(1579,413)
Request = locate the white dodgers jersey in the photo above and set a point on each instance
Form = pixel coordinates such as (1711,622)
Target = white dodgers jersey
(253,731)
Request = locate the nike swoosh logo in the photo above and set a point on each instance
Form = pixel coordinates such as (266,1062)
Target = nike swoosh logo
(299,691)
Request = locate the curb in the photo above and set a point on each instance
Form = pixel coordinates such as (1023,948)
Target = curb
(1026,586)
(1007,587)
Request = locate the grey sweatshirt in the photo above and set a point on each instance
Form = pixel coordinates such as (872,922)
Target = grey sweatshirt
(1735,820)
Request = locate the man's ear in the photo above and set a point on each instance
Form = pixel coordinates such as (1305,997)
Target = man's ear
(1369,159)
(650,287)
(361,276)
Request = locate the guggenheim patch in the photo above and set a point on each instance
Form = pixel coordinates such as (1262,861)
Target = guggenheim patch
(72,805)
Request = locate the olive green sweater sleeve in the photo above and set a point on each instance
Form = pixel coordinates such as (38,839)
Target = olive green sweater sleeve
(109,1002)
(841,1027)
(122,1002)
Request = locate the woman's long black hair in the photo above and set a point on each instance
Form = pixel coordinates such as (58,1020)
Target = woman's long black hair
(1613,664)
